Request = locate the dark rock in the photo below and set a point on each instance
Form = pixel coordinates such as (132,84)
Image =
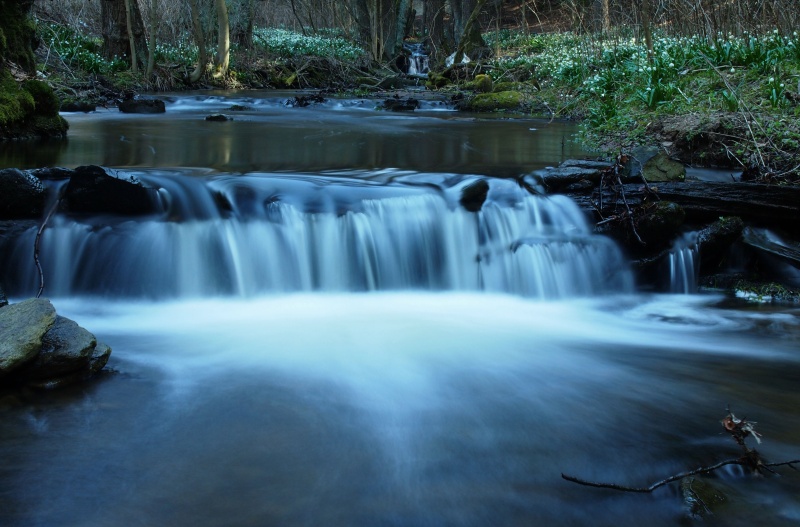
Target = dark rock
(239,108)
(78,106)
(400,104)
(218,117)
(474,195)
(66,348)
(142,106)
(52,173)
(301,101)
(22,327)
(22,195)
(571,172)
(3,298)
(92,190)
(715,241)
(659,222)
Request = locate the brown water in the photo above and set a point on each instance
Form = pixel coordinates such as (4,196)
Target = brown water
(408,407)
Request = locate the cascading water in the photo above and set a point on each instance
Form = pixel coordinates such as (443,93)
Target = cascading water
(418,61)
(288,233)
(683,262)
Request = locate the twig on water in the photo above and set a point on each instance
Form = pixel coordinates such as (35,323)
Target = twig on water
(36,244)
(739,429)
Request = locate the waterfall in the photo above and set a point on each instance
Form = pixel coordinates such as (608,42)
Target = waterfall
(683,263)
(286,233)
(418,62)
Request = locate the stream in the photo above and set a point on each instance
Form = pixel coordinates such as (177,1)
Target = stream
(344,344)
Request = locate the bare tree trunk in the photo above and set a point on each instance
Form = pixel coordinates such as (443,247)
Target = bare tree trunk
(297,17)
(647,26)
(117,16)
(604,4)
(197,32)
(151,47)
(471,39)
(129,25)
(223,39)
(433,24)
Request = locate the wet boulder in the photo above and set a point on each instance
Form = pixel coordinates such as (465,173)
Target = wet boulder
(40,349)
(400,104)
(22,194)
(91,189)
(571,172)
(658,223)
(303,101)
(78,106)
(716,239)
(473,196)
(22,328)
(218,117)
(142,106)
(3,298)
(66,348)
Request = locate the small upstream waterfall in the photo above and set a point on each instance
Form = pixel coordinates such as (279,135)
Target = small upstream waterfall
(418,62)
(252,234)
(683,261)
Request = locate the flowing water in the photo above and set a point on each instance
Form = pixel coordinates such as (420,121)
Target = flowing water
(342,343)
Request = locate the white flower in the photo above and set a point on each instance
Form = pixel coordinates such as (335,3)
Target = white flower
(782,85)
(671,64)
(733,70)
(772,79)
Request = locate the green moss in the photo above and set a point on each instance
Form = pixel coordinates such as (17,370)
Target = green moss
(45,100)
(436,81)
(490,102)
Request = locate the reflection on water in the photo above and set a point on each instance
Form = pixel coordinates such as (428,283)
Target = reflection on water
(404,409)
(271,136)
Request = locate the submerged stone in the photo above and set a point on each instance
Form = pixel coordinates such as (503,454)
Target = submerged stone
(142,106)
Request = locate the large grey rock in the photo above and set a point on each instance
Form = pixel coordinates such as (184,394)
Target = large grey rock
(97,361)
(661,168)
(22,195)
(66,348)
(22,329)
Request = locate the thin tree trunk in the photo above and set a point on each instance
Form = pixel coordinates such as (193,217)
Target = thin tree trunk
(606,15)
(131,40)
(297,17)
(197,31)
(647,26)
(223,39)
(151,48)
(471,38)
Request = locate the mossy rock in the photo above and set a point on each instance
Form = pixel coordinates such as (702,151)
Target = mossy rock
(45,101)
(436,81)
(499,101)
(481,84)
(29,110)
(506,86)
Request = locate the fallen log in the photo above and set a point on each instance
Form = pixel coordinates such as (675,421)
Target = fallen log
(704,201)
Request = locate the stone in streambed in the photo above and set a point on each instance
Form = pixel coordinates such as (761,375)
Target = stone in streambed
(22,329)
(22,195)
